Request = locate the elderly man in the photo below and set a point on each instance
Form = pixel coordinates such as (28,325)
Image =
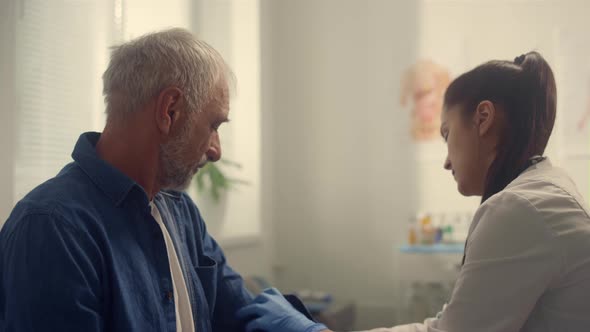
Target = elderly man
(112,243)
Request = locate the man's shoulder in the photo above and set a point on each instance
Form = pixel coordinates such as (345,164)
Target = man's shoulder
(69,190)
(70,184)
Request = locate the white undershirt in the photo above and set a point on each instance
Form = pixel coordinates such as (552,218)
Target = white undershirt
(182,305)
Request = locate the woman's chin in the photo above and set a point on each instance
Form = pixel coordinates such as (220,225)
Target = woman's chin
(467,192)
(464,190)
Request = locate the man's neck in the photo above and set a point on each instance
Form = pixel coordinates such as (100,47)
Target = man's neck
(133,152)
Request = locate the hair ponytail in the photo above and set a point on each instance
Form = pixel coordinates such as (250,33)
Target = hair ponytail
(543,99)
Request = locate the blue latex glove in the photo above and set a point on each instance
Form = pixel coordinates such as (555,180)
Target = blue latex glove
(271,312)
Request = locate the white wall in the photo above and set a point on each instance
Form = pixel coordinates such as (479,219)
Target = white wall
(337,144)
(145,16)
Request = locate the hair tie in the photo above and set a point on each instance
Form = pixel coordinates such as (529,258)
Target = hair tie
(519,59)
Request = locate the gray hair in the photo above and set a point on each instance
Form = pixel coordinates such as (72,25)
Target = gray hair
(141,68)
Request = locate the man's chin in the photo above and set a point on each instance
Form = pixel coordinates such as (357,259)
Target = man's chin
(179,186)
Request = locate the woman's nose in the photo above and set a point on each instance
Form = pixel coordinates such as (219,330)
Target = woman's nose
(447,164)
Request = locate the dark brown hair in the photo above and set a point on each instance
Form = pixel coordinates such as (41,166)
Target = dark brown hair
(525,91)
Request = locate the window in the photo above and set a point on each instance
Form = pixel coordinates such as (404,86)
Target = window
(61,46)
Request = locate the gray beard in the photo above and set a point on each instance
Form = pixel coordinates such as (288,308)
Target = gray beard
(174,175)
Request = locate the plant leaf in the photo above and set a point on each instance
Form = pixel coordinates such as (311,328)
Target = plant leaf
(217,181)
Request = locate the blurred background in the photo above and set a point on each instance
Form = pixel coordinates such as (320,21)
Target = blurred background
(334,124)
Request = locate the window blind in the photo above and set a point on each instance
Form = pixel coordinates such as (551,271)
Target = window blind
(59,46)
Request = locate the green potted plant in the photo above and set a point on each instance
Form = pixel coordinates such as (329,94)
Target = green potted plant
(211,178)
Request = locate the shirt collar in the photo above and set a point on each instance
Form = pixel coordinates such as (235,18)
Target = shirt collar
(542,163)
(110,180)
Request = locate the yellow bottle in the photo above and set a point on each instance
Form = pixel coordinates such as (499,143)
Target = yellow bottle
(412,236)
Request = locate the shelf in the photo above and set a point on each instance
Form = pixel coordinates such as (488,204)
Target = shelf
(456,248)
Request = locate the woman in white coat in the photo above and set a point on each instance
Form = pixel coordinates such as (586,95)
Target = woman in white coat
(527,259)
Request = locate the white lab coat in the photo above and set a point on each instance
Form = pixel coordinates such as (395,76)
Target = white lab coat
(527,266)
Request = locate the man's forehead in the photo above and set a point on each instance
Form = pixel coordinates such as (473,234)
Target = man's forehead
(224,96)
(222,93)
(221,108)
(223,103)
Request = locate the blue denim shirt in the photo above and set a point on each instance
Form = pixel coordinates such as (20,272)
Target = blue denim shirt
(81,252)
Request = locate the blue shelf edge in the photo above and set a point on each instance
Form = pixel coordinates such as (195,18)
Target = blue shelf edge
(456,248)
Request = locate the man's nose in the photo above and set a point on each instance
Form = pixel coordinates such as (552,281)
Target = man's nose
(214,150)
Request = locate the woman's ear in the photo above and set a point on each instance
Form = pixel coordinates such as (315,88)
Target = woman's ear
(484,117)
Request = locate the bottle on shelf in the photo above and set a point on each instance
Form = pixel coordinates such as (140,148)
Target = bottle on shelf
(428,232)
(412,232)
(438,224)
(448,234)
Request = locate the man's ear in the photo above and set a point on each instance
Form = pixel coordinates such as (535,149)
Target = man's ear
(169,106)
(484,117)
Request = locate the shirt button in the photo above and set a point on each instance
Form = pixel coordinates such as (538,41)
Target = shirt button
(169,295)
